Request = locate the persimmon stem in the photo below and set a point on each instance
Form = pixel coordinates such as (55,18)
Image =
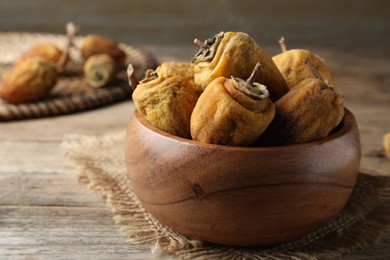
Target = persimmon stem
(316,73)
(283,44)
(313,70)
(71,31)
(254,73)
(133,80)
(201,44)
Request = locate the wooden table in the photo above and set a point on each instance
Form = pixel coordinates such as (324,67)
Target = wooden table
(46,214)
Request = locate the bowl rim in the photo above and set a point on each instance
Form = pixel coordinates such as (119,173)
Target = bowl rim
(346,125)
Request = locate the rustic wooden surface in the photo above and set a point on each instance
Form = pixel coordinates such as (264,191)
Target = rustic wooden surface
(46,214)
(329,23)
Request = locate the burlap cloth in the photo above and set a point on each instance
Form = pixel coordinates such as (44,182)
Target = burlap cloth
(100,163)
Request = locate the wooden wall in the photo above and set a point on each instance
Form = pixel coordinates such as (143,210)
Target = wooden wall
(332,23)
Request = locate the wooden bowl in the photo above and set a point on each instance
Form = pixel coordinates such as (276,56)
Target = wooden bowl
(242,196)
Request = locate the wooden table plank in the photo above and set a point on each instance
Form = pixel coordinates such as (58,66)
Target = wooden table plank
(62,233)
(46,214)
(329,23)
(54,129)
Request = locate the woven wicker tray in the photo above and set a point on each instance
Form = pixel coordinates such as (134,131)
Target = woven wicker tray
(71,94)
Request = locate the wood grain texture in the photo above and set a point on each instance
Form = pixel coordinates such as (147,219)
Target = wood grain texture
(30,149)
(61,232)
(242,196)
(336,24)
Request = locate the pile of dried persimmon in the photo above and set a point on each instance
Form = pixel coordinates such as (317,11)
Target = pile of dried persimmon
(36,71)
(234,93)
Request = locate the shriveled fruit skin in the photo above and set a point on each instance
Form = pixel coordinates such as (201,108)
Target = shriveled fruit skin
(309,111)
(184,69)
(222,118)
(172,68)
(293,68)
(28,80)
(46,51)
(99,70)
(236,55)
(96,44)
(167,102)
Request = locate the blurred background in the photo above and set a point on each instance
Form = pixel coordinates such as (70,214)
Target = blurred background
(340,24)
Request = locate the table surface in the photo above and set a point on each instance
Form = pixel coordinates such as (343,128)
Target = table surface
(46,214)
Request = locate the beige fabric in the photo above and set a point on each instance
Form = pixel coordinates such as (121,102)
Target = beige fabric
(100,163)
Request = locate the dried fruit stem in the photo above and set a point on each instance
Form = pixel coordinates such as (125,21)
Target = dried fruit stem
(71,31)
(201,44)
(251,88)
(313,70)
(255,71)
(283,44)
(133,80)
(316,73)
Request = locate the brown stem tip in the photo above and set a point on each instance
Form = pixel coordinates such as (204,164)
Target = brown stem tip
(71,32)
(201,44)
(133,80)
(313,69)
(283,44)
(253,76)
(316,73)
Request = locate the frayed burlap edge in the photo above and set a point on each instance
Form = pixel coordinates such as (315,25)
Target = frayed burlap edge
(99,162)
